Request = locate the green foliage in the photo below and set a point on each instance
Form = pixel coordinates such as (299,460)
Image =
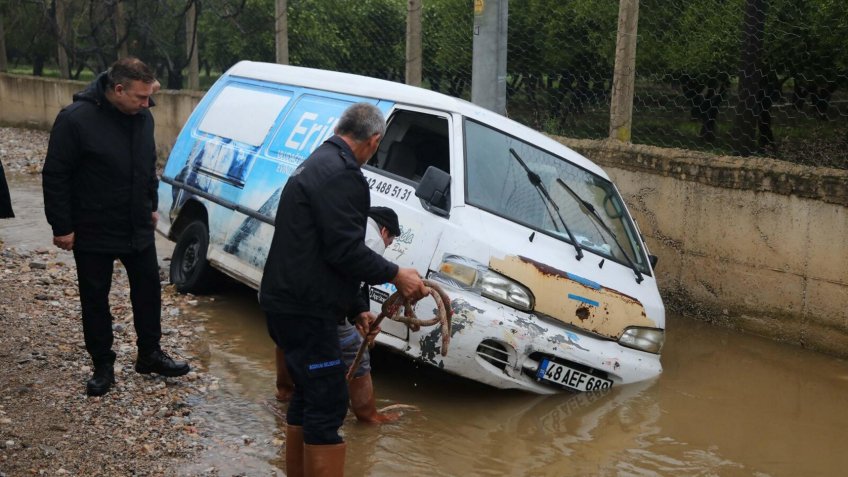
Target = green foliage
(560,61)
(225,38)
(357,36)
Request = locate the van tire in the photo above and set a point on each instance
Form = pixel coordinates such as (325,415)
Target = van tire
(190,271)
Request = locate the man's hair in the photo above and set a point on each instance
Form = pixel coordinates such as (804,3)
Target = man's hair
(129,69)
(361,121)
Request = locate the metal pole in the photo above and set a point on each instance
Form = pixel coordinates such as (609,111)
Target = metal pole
(413,43)
(624,77)
(281,26)
(488,65)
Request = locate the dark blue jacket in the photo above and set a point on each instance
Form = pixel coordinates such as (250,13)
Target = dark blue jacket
(99,176)
(318,255)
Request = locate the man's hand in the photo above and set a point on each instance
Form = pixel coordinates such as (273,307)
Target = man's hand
(155,216)
(409,284)
(65,242)
(363,322)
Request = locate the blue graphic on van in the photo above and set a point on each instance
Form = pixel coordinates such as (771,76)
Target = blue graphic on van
(310,122)
(254,176)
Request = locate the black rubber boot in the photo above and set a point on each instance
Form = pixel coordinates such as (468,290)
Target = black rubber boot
(101,380)
(160,363)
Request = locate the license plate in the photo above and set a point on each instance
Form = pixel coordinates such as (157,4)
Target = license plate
(569,377)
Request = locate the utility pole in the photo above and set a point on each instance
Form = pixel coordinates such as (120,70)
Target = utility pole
(413,42)
(624,76)
(488,65)
(281,25)
(191,47)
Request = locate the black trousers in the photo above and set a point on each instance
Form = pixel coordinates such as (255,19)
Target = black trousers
(314,361)
(94,275)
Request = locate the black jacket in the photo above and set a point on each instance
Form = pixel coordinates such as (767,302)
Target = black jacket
(318,255)
(99,177)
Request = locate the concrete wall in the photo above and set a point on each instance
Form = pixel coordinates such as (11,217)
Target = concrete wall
(753,243)
(758,244)
(34,102)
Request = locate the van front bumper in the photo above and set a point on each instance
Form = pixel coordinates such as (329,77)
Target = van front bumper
(502,347)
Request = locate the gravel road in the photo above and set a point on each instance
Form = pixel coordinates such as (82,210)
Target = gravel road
(48,426)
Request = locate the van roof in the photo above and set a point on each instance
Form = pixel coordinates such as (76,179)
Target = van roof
(367,87)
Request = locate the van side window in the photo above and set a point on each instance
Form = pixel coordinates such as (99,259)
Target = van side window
(238,120)
(243,114)
(413,142)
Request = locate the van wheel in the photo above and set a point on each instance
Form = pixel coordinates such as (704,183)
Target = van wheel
(190,271)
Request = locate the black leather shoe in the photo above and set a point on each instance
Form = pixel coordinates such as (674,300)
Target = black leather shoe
(101,381)
(160,363)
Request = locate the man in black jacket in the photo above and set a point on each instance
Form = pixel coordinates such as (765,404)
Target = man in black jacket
(100,198)
(316,262)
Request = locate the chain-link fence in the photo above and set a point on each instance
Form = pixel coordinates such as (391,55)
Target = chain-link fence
(766,77)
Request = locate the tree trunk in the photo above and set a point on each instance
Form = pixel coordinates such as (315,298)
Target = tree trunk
(61,32)
(121,30)
(191,47)
(749,108)
(3,59)
(38,65)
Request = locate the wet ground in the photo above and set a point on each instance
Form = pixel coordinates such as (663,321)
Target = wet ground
(727,404)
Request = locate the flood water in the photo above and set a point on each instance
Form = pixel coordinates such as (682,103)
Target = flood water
(726,404)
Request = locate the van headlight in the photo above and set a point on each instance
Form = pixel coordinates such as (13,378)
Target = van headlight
(467,274)
(644,339)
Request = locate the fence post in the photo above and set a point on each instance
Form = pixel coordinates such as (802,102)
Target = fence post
(281,26)
(413,43)
(624,76)
(191,47)
(488,65)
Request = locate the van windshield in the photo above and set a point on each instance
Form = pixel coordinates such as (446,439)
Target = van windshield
(497,182)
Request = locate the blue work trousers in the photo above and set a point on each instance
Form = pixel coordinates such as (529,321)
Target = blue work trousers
(314,361)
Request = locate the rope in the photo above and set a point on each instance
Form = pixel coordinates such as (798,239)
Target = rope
(391,309)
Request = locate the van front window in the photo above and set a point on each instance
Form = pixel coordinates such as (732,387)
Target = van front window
(548,194)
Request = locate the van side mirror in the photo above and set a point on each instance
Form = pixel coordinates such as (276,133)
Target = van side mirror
(434,191)
(653,259)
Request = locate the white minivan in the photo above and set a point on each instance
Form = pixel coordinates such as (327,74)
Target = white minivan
(551,284)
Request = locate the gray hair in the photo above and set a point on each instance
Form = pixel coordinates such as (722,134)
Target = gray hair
(361,121)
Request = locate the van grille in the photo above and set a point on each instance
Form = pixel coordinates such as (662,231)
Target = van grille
(495,352)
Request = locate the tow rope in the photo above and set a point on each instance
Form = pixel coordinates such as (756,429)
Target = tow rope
(391,309)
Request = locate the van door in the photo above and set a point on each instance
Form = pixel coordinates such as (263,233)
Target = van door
(415,139)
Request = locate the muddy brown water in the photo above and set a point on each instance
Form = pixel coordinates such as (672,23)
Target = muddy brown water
(726,404)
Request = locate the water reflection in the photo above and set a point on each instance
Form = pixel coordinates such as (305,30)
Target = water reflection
(727,404)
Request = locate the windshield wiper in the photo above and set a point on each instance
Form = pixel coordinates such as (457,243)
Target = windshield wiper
(543,192)
(589,209)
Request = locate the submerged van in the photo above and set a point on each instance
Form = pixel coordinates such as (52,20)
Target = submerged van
(552,286)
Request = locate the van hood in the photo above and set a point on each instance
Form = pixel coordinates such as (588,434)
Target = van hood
(573,299)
